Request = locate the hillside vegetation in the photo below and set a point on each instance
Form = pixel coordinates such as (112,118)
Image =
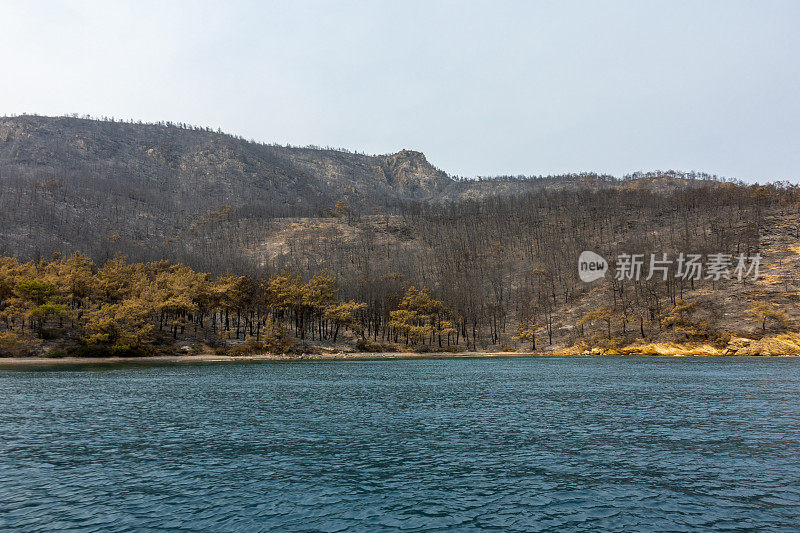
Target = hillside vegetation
(410,258)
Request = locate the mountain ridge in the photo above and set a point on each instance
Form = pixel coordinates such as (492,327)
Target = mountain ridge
(64,144)
(334,174)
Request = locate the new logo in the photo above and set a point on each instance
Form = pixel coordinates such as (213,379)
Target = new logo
(591,266)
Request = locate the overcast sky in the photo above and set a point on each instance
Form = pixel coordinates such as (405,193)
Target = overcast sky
(481,88)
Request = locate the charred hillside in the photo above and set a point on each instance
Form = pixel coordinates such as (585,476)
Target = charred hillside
(188,165)
(74,183)
(498,255)
(154,191)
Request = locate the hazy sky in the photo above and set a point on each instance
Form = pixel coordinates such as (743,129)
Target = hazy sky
(481,88)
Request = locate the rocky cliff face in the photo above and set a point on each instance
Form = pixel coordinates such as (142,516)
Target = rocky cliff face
(410,172)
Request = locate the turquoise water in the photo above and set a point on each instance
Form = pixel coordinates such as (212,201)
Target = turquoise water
(459,444)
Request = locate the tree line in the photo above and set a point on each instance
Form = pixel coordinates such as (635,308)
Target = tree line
(124,308)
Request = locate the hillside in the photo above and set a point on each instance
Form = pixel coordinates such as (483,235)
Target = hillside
(192,164)
(147,189)
(65,183)
(497,255)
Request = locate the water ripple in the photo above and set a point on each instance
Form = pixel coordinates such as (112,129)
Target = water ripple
(578,444)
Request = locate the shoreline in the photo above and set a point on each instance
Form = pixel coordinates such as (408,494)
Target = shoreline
(278,358)
(13,362)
